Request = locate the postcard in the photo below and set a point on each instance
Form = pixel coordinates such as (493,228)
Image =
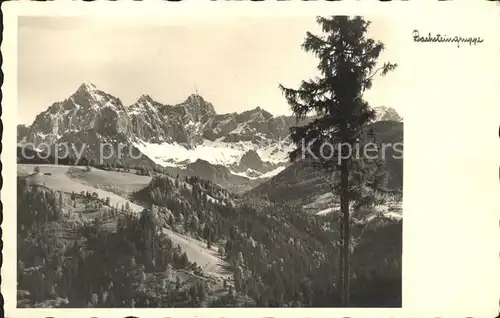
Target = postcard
(251,159)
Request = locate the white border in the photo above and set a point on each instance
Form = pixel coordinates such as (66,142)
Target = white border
(468,186)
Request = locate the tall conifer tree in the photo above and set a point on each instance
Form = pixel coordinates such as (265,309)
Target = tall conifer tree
(340,117)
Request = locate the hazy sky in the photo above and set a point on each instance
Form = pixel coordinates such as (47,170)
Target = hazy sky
(236,63)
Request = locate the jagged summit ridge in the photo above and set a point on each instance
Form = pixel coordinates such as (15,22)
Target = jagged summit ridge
(87,86)
(145,98)
(383,113)
(251,143)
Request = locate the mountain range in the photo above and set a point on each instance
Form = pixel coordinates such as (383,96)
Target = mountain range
(191,209)
(235,150)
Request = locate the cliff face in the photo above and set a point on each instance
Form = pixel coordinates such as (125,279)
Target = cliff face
(251,145)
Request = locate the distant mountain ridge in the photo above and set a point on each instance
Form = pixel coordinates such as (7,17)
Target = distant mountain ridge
(384,113)
(304,183)
(251,145)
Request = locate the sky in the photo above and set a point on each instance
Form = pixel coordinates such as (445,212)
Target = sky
(448,96)
(235,63)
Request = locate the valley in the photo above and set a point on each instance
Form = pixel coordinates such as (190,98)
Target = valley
(218,196)
(242,196)
(211,214)
(68,179)
(216,267)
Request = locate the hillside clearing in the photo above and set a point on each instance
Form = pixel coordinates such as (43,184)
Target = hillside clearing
(327,203)
(197,252)
(59,180)
(127,181)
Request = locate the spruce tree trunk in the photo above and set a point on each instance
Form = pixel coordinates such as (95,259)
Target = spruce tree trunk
(344,208)
(340,284)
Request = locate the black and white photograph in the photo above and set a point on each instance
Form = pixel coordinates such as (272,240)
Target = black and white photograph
(285,195)
(245,162)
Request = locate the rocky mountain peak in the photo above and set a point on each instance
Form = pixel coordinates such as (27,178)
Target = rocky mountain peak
(196,108)
(252,160)
(86,91)
(86,87)
(145,98)
(195,97)
(173,135)
(89,96)
(256,114)
(384,113)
